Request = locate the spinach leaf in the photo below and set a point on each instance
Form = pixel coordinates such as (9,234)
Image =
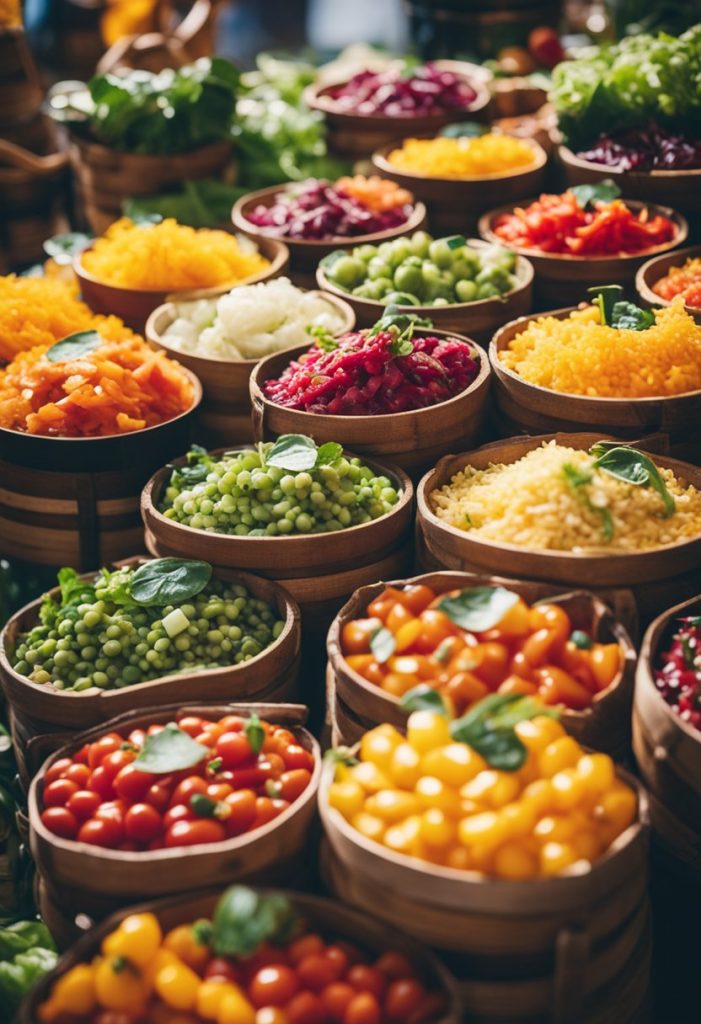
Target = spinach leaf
(636,468)
(170,750)
(626,315)
(294,452)
(169,580)
(455,241)
(423,698)
(595,192)
(244,919)
(393,316)
(489,728)
(328,453)
(74,346)
(478,608)
(382,644)
(196,469)
(605,296)
(115,587)
(74,591)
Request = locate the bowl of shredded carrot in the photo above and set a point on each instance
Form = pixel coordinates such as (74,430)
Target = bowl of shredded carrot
(677,273)
(135,267)
(105,386)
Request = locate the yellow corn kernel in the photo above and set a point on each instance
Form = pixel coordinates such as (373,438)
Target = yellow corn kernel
(486,830)
(562,753)
(434,793)
(556,857)
(393,805)
(455,764)
(369,776)
(404,836)
(427,730)
(569,789)
(514,860)
(369,826)
(405,767)
(436,828)
(597,771)
(537,733)
(347,798)
(378,745)
(492,787)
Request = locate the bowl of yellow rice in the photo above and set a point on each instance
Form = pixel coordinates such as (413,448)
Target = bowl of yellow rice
(135,267)
(565,370)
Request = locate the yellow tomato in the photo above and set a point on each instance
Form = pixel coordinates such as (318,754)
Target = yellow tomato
(513,860)
(486,830)
(426,730)
(597,771)
(163,958)
(73,993)
(434,793)
(618,807)
(436,828)
(520,818)
(562,753)
(209,996)
(369,777)
(493,788)
(378,745)
(235,1009)
(369,826)
(405,766)
(177,985)
(392,805)
(538,795)
(537,733)
(184,943)
(455,764)
(569,789)
(137,938)
(346,797)
(404,836)
(119,985)
(556,857)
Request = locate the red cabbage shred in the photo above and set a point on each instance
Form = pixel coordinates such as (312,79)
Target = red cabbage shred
(394,93)
(679,678)
(647,149)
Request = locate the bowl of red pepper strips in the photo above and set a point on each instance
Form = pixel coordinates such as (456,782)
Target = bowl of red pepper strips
(584,236)
(677,273)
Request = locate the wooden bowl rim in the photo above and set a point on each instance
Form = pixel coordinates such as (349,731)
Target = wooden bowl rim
(484,226)
(167,855)
(524,279)
(196,400)
(292,618)
(379,159)
(562,314)
(624,642)
(645,668)
(279,258)
(157,482)
(569,157)
(241,222)
(462,877)
(425,511)
(645,276)
(380,419)
(154,337)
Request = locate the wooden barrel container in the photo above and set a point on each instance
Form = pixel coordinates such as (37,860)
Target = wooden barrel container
(106,177)
(553,949)
(648,186)
(89,879)
(42,716)
(224,416)
(656,576)
(356,135)
(319,570)
(529,408)
(305,253)
(668,752)
(605,725)
(21,92)
(75,501)
(135,305)
(658,267)
(330,918)
(413,440)
(455,204)
(561,278)
(477,319)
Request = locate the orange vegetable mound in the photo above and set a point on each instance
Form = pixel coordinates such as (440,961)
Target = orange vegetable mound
(38,311)
(119,387)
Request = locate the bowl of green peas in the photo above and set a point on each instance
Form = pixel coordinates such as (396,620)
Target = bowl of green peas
(147,632)
(462,284)
(314,516)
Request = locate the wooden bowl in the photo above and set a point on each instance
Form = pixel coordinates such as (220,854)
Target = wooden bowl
(455,204)
(648,186)
(604,725)
(306,253)
(659,266)
(134,305)
(412,440)
(459,549)
(322,915)
(477,320)
(270,675)
(533,409)
(561,278)
(225,413)
(98,878)
(357,135)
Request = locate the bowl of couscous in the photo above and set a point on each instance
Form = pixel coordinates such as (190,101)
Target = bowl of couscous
(565,370)
(134,268)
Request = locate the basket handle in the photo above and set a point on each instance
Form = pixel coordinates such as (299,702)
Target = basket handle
(572,949)
(43,166)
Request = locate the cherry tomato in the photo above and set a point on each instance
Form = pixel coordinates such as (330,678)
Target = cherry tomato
(190,786)
(142,823)
(394,965)
(340,958)
(118,759)
(101,782)
(58,793)
(132,784)
(267,810)
(232,723)
(97,833)
(57,770)
(357,634)
(220,967)
(418,597)
(61,822)
(305,1008)
(296,756)
(365,978)
(158,796)
(81,756)
(102,747)
(113,820)
(273,986)
(78,773)
(157,844)
(190,833)
(355,955)
(335,999)
(306,945)
(136,737)
(253,777)
(404,997)
(242,806)
(191,725)
(153,730)
(265,956)
(234,750)
(277,764)
(363,1009)
(493,663)
(219,790)
(177,813)
(398,616)
(83,803)
(318,970)
(436,627)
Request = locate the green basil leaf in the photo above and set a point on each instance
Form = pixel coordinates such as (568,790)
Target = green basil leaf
(203,806)
(501,750)
(340,755)
(423,698)
(328,453)
(74,346)
(634,467)
(581,639)
(455,241)
(576,476)
(626,315)
(382,644)
(169,580)
(293,452)
(519,710)
(488,728)
(394,316)
(255,733)
(170,750)
(605,297)
(196,469)
(478,609)
(464,130)
(62,248)
(244,919)
(595,192)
